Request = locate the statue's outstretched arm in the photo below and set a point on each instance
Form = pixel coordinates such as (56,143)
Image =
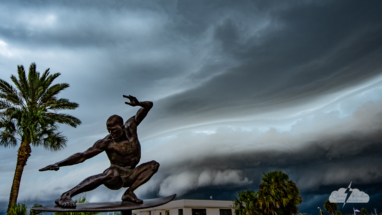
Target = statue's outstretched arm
(142,112)
(77,158)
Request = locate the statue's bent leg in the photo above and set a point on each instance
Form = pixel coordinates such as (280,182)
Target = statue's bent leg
(142,175)
(88,184)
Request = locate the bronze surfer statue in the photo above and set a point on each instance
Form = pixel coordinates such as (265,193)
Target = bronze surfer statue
(124,152)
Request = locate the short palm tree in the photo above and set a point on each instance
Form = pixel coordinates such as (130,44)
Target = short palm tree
(278,195)
(330,207)
(18,209)
(246,203)
(28,115)
(363,211)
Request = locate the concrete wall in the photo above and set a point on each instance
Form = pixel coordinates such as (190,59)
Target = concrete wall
(158,212)
(212,211)
(212,207)
(187,211)
(174,212)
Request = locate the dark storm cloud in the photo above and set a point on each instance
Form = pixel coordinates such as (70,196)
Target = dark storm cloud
(249,56)
(77,24)
(306,51)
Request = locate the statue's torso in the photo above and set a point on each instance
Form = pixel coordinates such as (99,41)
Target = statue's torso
(124,153)
(127,151)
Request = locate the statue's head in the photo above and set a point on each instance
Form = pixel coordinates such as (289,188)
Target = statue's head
(114,126)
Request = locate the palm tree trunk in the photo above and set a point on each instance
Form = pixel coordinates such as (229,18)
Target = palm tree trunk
(23,154)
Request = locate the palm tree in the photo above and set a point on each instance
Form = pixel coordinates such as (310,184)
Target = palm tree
(363,211)
(246,203)
(278,195)
(28,115)
(330,207)
(33,212)
(338,213)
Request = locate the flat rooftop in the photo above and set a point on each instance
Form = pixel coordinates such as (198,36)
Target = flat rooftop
(193,203)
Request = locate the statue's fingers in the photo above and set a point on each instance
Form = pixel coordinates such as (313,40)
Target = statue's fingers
(43,169)
(127,103)
(128,97)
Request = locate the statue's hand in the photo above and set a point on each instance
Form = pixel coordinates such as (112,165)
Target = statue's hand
(133,101)
(54,167)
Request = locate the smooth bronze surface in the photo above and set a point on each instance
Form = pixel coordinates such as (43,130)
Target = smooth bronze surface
(123,149)
(108,206)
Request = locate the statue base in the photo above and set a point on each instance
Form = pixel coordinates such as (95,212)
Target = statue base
(124,207)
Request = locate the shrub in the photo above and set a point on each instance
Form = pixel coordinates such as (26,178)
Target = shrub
(17,209)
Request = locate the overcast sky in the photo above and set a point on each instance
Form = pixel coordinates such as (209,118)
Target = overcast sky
(239,88)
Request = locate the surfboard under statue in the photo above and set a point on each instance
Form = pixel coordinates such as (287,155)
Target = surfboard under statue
(108,206)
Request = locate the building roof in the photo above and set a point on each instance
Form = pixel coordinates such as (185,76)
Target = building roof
(193,203)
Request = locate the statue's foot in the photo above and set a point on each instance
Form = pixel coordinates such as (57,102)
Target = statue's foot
(65,201)
(129,196)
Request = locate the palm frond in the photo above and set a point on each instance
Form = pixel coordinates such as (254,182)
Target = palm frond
(49,79)
(53,91)
(44,76)
(33,80)
(7,132)
(42,85)
(14,112)
(23,82)
(12,98)
(61,104)
(54,141)
(64,119)
(5,104)
(5,87)
(9,93)
(19,86)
